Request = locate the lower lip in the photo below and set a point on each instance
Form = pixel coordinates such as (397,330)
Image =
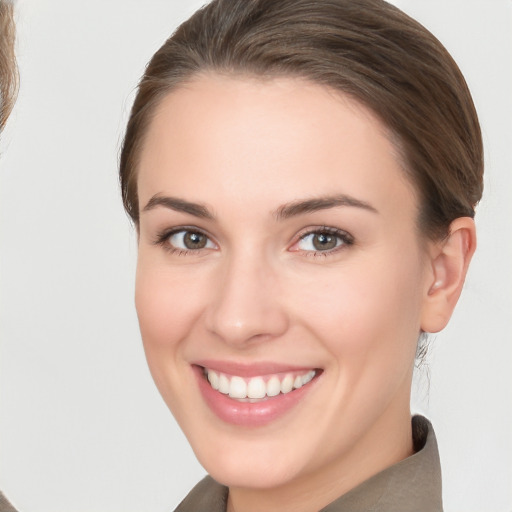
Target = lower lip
(249,414)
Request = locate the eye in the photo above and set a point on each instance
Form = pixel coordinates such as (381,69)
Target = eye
(189,240)
(323,240)
(185,240)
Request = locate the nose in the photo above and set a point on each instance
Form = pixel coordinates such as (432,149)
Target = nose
(246,306)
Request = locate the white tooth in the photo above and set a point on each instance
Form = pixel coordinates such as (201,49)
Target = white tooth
(307,378)
(213,379)
(223,384)
(287,384)
(273,386)
(237,388)
(297,383)
(256,388)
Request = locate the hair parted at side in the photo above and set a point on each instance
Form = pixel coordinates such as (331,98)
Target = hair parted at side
(367,49)
(8,68)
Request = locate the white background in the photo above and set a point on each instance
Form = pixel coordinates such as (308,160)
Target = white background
(82,426)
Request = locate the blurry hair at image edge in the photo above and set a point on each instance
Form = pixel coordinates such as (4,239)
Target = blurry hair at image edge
(8,91)
(8,68)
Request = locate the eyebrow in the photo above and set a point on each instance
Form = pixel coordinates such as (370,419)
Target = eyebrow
(320,203)
(179,205)
(283,212)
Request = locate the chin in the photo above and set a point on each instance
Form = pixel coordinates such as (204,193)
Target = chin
(236,472)
(253,459)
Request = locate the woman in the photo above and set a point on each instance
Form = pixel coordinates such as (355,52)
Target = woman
(302,176)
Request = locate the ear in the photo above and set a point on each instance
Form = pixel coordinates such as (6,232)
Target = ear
(449,261)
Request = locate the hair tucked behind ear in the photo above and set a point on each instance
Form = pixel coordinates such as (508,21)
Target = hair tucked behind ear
(8,68)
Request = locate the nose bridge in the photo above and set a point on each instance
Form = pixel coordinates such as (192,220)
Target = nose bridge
(246,305)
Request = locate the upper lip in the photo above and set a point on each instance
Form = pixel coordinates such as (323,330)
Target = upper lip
(250,369)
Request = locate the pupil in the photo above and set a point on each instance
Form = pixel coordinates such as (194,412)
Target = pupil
(194,240)
(323,242)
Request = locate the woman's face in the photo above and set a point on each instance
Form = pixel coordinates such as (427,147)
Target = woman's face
(279,255)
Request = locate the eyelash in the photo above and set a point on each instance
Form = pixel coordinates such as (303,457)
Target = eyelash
(345,238)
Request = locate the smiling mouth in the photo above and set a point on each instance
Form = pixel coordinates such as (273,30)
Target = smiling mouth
(256,389)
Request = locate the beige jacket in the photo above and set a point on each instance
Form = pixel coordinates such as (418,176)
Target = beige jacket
(5,505)
(412,485)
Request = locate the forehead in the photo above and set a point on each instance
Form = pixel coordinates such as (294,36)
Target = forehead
(248,141)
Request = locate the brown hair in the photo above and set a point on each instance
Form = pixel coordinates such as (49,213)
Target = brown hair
(8,68)
(367,49)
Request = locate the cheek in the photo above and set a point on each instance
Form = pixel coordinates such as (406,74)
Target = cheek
(168,304)
(364,307)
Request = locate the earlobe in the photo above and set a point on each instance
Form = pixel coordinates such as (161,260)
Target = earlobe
(449,262)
